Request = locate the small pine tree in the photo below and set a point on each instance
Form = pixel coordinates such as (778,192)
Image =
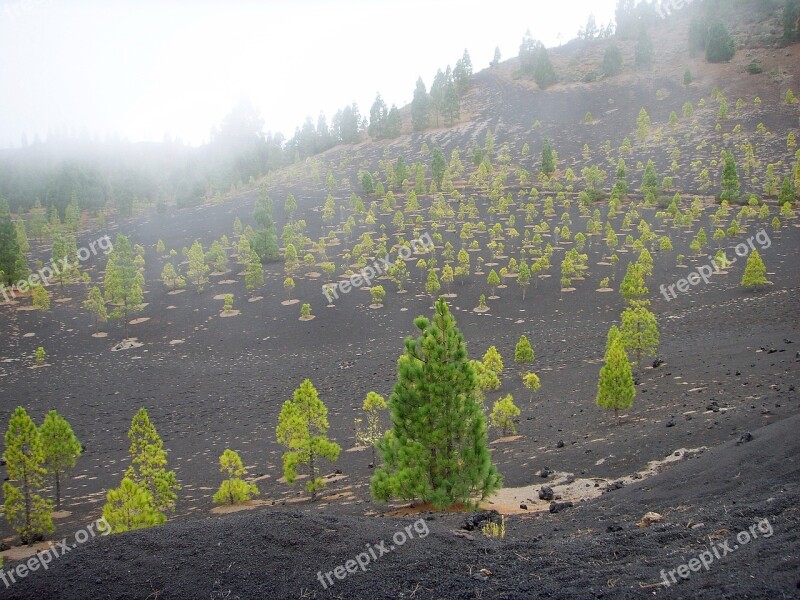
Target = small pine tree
(96,306)
(633,288)
(755,272)
(493,280)
(531,382)
(305,311)
(639,332)
(41,299)
(61,449)
(615,388)
(432,285)
(303,428)
(372,432)
(197,268)
(504,411)
(523,352)
(254,272)
(149,461)
(40,355)
(129,507)
(234,490)
(25,510)
(493,361)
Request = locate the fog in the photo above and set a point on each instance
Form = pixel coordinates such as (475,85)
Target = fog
(146,70)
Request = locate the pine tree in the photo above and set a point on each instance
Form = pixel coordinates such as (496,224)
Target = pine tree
(197,268)
(234,490)
(504,411)
(639,331)
(303,428)
(122,282)
(523,351)
(13,266)
(41,298)
(432,285)
(61,449)
(720,46)
(755,272)
(369,435)
(420,106)
(730,179)
(531,382)
(633,288)
(129,507)
(25,510)
(254,272)
(615,388)
(493,279)
(437,447)
(643,53)
(149,461)
(493,361)
(524,277)
(548,159)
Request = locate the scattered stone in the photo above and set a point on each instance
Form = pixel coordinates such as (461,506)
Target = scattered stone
(546,472)
(613,528)
(617,485)
(523,506)
(559,506)
(650,518)
(671,422)
(560,444)
(463,534)
(744,438)
(477,519)
(657,363)
(546,493)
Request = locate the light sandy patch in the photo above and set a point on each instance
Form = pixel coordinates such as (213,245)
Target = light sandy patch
(139,320)
(229,313)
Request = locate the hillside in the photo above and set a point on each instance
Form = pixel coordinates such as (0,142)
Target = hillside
(727,363)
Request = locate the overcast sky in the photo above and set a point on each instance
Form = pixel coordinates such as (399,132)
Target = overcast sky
(145,68)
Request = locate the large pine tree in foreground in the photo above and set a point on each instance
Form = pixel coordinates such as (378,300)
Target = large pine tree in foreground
(437,448)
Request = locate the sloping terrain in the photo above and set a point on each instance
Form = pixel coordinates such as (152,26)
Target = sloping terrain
(730,362)
(594,550)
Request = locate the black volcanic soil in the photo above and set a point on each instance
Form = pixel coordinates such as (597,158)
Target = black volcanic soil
(212,383)
(593,550)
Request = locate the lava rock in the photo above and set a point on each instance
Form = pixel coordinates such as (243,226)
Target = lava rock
(613,528)
(523,506)
(617,485)
(559,506)
(546,493)
(560,444)
(546,472)
(744,438)
(477,519)
(657,363)
(671,423)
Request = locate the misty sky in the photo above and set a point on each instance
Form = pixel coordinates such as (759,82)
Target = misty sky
(146,68)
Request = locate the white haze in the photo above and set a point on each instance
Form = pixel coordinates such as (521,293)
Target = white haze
(144,69)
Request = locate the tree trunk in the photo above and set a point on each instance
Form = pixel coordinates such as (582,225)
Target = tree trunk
(58,490)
